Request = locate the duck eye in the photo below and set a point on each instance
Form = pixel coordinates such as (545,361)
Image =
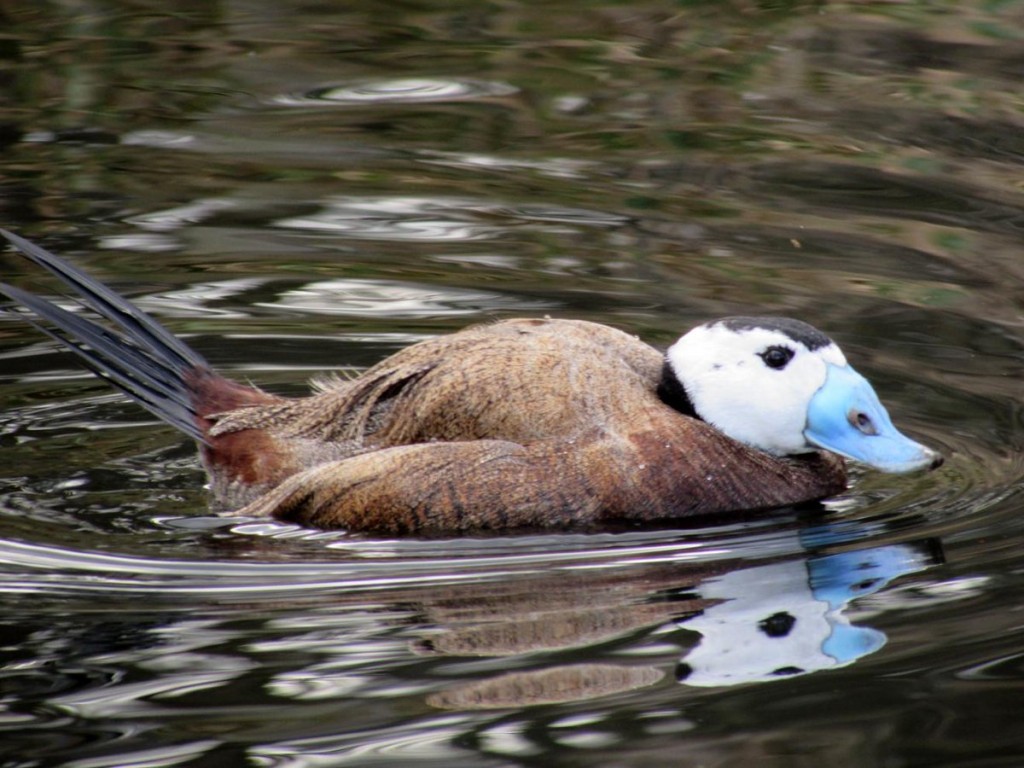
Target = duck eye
(777,357)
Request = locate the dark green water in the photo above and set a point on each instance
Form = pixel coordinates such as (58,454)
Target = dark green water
(309,187)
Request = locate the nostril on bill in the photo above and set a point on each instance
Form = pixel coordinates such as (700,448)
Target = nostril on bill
(862,422)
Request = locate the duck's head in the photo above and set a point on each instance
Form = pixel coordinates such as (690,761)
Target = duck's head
(784,387)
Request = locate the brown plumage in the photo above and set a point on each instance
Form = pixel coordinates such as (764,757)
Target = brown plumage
(522,423)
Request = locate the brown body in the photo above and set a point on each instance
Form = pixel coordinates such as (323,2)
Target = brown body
(519,423)
(523,423)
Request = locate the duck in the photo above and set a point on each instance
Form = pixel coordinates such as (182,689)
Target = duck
(530,423)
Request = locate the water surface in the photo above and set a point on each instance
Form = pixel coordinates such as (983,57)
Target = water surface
(309,189)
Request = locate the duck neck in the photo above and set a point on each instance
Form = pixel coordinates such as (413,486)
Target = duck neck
(672,393)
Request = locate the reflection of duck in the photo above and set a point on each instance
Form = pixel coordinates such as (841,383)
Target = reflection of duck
(519,423)
(757,624)
(787,619)
(522,631)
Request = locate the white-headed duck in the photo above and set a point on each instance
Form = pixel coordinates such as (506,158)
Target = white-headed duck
(520,423)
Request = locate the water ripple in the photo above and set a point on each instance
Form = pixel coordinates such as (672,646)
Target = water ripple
(397,218)
(393,299)
(361,565)
(429,742)
(408,90)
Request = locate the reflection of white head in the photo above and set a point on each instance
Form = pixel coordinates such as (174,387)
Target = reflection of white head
(786,619)
(769,626)
(754,378)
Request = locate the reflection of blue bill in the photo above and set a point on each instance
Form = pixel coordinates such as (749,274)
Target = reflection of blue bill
(787,618)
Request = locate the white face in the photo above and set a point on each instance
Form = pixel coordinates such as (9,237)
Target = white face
(754,384)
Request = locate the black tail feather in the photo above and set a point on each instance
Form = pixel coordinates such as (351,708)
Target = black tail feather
(144,360)
(110,305)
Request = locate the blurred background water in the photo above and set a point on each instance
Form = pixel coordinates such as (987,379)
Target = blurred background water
(303,187)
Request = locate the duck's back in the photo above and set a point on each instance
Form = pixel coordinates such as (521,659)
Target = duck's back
(519,380)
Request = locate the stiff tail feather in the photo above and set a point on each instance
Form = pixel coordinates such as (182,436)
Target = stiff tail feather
(133,352)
